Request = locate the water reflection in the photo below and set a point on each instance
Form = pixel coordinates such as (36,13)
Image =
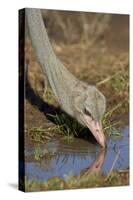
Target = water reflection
(62,157)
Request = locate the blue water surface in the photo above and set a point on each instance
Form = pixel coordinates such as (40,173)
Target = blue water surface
(72,157)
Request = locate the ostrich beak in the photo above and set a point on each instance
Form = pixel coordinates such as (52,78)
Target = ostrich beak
(96,130)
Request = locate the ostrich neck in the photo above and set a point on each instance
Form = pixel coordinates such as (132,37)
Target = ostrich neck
(59,77)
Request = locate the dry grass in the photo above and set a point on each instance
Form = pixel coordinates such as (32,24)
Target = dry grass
(81,43)
(97,180)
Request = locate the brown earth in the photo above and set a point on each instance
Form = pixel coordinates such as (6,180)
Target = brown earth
(91,63)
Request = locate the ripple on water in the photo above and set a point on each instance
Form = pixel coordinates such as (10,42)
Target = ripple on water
(78,155)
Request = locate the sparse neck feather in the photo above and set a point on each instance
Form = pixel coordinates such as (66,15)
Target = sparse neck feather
(56,72)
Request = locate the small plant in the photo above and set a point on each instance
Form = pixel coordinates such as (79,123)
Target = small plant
(69,126)
(49,97)
(115,178)
(109,126)
(38,155)
(39,134)
(119,82)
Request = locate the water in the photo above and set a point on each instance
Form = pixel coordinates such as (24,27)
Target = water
(62,158)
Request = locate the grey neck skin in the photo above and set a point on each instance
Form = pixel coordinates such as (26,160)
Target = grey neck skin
(83,102)
(59,77)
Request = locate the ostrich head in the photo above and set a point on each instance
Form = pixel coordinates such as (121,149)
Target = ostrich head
(90,107)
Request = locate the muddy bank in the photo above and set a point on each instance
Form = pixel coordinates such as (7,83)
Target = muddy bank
(104,63)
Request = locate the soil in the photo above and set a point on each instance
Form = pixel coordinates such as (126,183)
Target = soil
(89,63)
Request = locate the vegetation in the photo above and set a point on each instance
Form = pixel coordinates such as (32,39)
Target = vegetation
(71,182)
(91,58)
(40,134)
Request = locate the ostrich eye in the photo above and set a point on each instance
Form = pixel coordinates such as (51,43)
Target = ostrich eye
(87,112)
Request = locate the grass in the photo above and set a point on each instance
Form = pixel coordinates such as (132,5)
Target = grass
(40,134)
(114,84)
(68,125)
(80,181)
(38,154)
(70,128)
(109,127)
(46,153)
(118,82)
(50,97)
(110,73)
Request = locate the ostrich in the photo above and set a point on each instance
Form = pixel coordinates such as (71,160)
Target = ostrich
(83,102)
